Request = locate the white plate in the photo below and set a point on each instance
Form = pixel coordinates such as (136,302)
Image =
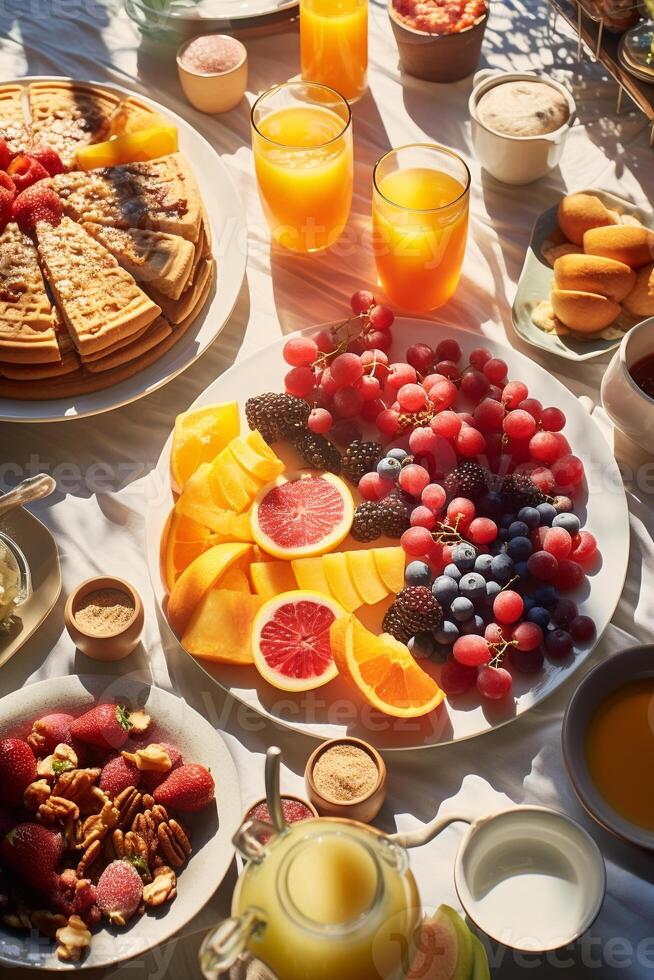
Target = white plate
(535,284)
(230,251)
(199,11)
(212,829)
(326,713)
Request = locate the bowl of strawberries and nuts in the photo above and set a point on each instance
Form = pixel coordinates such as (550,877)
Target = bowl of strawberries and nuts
(109,793)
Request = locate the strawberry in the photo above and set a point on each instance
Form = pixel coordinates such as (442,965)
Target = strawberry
(6,207)
(33,852)
(49,732)
(37,203)
(106,725)
(119,892)
(7,184)
(49,159)
(117,775)
(25,170)
(151,779)
(17,770)
(5,154)
(187,788)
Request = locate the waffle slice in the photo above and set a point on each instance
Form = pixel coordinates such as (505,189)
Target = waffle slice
(152,257)
(13,127)
(100,302)
(146,340)
(160,195)
(68,115)
(27,321)
(177,311)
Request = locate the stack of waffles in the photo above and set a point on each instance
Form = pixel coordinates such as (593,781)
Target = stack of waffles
(91,301)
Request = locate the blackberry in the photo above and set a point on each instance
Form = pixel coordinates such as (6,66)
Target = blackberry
(368,522)
(518,491)
(277,416)
(396,509)
(419,610)
(361,458)
(317,452)
(468,480)
(394,624)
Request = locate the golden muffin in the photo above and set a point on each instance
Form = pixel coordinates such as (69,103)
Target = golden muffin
(632,245)
(578,213)
(640,301)
(594,274)
(584,312)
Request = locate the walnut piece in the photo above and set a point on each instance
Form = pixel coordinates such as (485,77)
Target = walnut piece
(72,939)
(139,722)
(36,794)
(153,758)
(75,784)
(57,808)
(62,759)
(97,826)
(47,923)
(163,888)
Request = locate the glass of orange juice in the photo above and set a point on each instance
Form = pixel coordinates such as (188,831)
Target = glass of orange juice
(420,206)
(303,158)
(334,44)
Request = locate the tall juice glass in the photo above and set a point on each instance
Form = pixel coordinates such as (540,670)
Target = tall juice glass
(303,158)
(420,224)
(334,44)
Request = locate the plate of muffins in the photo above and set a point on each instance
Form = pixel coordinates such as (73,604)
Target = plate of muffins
(588,276)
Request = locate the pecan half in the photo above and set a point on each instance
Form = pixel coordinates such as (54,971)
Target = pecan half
(90,856)
(175,845)
(72,939)
(163,887)
(128,804)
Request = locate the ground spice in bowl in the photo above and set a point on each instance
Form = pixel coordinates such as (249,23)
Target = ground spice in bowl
(344,773)
(104,611)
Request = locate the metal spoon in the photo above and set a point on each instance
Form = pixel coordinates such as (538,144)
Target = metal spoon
(273,796)
(34,488)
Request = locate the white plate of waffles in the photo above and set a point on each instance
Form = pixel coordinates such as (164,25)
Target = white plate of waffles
(139,276)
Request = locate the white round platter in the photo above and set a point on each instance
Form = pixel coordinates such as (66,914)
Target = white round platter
(211,829)
(229,232)
(332,711)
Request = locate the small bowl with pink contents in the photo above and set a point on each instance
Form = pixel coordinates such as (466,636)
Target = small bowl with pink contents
(213,72)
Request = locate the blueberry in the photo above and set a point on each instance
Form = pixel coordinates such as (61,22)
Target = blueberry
(521,570)
(546,595)
(529,602)
(493,589)
(472,585)
(502,567)
(447,634)
(569,523)
(463,556)
(506,520)
(462,609)
(389,468)
(490,504)
(445,589)
(452,572)
(519,548)
(547,514)
(417,573)
(518,529)
(539,616)
(483,564)
(398,454)
(473,625)
(422,646)
(529,516)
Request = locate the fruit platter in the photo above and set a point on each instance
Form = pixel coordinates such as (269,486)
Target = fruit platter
(117,803)
(99,198)
(382,529)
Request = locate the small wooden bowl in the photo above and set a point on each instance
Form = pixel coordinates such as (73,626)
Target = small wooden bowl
(365,808)
(107,646)
(438,57)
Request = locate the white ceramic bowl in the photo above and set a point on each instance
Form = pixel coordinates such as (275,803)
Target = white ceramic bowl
(627,405)
(516,159)
(212,829)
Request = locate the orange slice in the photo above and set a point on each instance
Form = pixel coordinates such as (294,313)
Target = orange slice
(181,543)
(199,435)
(202,575)
(383,671)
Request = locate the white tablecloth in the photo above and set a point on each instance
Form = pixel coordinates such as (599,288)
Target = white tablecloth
(97,513)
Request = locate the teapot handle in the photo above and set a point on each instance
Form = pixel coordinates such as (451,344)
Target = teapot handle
(222,947)
(416,838)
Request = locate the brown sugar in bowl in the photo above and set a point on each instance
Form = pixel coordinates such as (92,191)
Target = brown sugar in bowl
(362,808)
(438,57)
(106,641)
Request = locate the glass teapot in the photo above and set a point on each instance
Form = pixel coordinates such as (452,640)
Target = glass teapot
(318,900)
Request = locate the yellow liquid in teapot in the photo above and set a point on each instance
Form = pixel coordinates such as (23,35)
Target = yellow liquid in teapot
(335,906)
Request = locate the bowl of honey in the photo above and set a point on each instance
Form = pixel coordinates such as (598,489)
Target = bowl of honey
(608,744)
(628,385)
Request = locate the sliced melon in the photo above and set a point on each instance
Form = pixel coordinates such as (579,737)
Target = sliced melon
(220,629)
(390,565)
(310,575)
(366,578)
(340,582)
(272,578)
(200,577)
(262,467)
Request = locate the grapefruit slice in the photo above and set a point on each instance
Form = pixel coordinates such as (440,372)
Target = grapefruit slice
(291,641)
(303,517)
(383,671)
